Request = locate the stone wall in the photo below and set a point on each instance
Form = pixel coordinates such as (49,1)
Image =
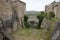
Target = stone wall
(11,14)
(54,7)
(20,9)
(9,10)
(9,7)
(5,9)
(54,28)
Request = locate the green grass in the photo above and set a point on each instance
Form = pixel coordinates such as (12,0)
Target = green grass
(31,34)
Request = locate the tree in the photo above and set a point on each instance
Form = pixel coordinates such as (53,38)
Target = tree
(25,20)
(40,17)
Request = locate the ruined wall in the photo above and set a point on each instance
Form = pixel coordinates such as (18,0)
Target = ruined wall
(55,7)
(20,9)
(5,9)
(55,32)
(8,11)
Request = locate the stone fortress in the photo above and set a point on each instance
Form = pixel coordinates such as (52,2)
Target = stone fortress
(11,17)
(55,7)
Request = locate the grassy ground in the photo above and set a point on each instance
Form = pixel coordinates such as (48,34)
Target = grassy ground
(30,34)
(34,34)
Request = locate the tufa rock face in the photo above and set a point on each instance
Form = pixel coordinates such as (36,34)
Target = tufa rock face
(46,24)
(56,33)
(1,36)
(5,10)
(11,14)
(10,10)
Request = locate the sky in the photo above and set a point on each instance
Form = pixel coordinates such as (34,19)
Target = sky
(36,5)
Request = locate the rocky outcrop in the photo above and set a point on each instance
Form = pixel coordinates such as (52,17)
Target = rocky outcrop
(46,24)
(11,14)
(56,32)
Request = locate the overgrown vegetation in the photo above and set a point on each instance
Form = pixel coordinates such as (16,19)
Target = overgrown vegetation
(25,21)
(31,34)
(37,34)
(40,17)
(50,15)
